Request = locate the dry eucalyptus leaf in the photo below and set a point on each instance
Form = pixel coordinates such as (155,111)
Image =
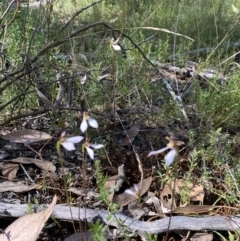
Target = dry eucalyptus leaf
(44,165)
(178,185)
(88,193)
(202,237)
(17,186)
(146,183)
(28,227)
(131,134)
(137,213)
(195,209)
(26,136)
(109,186)
(156,202)
(196,192)
(124,198)
(167,200)
(10,170)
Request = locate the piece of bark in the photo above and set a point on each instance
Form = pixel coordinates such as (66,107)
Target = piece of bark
(229,223)
(28,227)
(10,170)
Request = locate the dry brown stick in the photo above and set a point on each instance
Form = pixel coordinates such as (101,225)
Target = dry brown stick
(33,113)
(202,223)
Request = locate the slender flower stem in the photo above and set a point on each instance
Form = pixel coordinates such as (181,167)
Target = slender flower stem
(61,159)
(84,164)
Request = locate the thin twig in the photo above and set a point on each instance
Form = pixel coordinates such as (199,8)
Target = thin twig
(26,173)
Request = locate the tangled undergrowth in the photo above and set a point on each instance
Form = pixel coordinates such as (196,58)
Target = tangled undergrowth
(143,108)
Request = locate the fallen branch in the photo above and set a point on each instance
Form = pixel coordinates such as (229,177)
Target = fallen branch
(119,220)
(205,50)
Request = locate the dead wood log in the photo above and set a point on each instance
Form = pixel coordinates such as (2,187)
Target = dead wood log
(119,220)
(228,46)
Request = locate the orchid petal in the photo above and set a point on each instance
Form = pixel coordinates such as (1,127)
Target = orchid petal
(116,47)
(75,139)
(169,158)
(68,146)
(96,146)
(130,192)
(153,153)
(90,152)
(83,80)
(83,126)
(93,123)
(115,42)
(164,209)
(136,187)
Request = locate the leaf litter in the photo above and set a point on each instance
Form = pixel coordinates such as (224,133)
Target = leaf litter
(9,170)
(42,164)
(125,198)
(28,227)
(26,136)
(17,186)
(163,201)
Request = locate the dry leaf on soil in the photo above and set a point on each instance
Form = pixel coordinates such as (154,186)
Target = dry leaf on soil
(28,227)
(124,198)
(202,237)
(17,186)
(10,170)
(88,193)
(156,202)
(196,192)
(114,183)
(195,209)
(42,164)
(109,186)
(137,212)
(131,134)
(26,136)
(167,201)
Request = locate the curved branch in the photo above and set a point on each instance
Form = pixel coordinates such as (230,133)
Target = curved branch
(73,16)
(119,220)
(85,28)
(33,113)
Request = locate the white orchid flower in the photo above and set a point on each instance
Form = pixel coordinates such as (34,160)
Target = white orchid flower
(169,158)
(90,151)
(68,143)
(115,44)
(172,154)
(136,191)
(83,79)
(87,120)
